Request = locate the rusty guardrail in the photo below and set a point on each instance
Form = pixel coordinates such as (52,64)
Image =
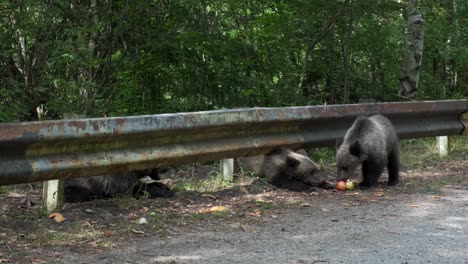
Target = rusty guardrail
(38,151)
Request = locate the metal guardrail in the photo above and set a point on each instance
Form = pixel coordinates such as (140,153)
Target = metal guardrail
(38,151)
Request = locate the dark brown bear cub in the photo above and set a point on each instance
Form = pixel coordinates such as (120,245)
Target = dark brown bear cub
(285,168)
(373,143)
(106,186)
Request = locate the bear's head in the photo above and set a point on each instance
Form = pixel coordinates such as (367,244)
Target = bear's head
(348,158)
(302,168)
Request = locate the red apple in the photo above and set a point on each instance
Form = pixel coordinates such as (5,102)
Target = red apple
(341,185)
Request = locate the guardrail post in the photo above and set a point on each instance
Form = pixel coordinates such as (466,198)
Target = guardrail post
(444,145)
(227,169)
(53,195)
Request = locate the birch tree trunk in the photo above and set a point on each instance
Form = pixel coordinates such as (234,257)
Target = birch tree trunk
(411,64)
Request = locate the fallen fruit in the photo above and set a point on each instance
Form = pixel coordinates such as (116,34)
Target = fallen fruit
(349,185)
(341,185)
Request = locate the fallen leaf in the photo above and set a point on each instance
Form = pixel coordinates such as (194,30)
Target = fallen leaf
(256,213)
(137,232)
(209,195)
(325,210)
(57,217)
(217,208)
(435,196)
(107,233)
(414,205)
(189,200)
(345,204)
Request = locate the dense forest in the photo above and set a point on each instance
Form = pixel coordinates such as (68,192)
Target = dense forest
(119,57)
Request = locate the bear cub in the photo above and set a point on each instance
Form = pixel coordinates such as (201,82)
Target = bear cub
(373,143)
(285,168)
(105,186)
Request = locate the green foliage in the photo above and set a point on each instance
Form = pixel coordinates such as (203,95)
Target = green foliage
(119,58)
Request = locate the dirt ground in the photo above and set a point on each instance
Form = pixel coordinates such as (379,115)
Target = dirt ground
(423,220)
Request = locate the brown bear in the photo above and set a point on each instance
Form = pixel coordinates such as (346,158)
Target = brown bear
(373,143)
(106,186)
(285,168)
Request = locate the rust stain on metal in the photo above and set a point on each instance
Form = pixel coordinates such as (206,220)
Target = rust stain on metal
(78,124)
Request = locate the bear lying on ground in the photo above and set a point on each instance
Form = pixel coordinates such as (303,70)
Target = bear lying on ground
(373,143)
(106,186)
(285,168)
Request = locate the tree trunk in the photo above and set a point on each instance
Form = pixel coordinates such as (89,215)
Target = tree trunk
(346,83)
(204,70)
(89,95)
(330,84)
(311,46)
(411,64)
(33,61)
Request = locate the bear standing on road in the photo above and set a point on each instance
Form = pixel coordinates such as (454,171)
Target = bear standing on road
(372,142)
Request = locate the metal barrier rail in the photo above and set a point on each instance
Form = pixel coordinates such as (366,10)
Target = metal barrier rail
(38,151)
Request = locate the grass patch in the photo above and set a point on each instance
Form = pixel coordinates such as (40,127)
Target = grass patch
(262,204)
(219,214)
(58,236)
(193,217)
(45,237)
(5,189)
(212,184)
(155,217)
(458,145)
(435,185)
(323,156)
(125,202)
(417,153)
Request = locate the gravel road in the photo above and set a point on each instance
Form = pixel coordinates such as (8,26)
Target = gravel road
(395,228)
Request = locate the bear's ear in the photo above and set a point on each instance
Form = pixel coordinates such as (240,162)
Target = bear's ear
(291,161)
(338,143)
(355,148)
